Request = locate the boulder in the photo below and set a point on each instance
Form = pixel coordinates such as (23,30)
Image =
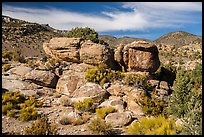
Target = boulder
(134,108)
(72,79)
(90,90)
(63,48)
(43,78)
(119,105)
(118,89)
(95,54)
(118,119)
(163,85)
(21,70)
(69,82)
(138,56)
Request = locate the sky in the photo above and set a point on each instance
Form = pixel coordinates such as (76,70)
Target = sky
(148,20)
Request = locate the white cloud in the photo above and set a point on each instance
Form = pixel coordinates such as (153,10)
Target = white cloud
(144,16)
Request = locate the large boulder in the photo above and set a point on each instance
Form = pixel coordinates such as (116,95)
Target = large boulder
(95,54)
(138,56)
(63,48)
(90,90)
(43,78)
(72,79)
(119,119)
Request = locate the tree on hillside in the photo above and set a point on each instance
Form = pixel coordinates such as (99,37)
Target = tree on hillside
(85,33)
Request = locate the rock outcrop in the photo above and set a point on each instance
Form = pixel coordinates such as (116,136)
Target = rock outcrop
(138,56)
(63,48)
(90,90)
(78,50)
(95,54)
(44,78)
(118,119)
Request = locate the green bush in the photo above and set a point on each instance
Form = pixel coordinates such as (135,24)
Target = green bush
(86,34)
(12,56)
(85,106)
(186,100)
(41,127)
(135,79)
(151,106)
(11,100)
(100,127)
(153,126)
(16,105)
(6,67)
(101,75)
(28,113)
(103,112)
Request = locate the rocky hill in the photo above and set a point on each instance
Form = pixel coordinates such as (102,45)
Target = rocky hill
(179,38)
(26,38)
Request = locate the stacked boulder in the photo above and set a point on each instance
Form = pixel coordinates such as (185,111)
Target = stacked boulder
(138,56)
(78,50)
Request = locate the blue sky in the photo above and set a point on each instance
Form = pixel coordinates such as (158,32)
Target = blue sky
(148,20)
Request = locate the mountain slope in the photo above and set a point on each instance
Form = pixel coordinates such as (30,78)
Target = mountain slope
(179,38)
(26,38)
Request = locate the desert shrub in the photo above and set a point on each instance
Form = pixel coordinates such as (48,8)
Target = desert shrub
(28,113)
(152,106)
(11,100)
(11,113)
(153,126)
(78,121)
(16,105)
(65,121)
(86,34)
(135,79)
(102,75)
(6,67)
(100,127)
(7,107)
(41,127)
(103,112)
(186,100)
(12,56)
(85,105)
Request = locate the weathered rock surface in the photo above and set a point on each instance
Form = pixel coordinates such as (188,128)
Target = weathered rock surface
(119,105)
(138,56)
(69,82)
(21,70)
(90,90)
(44,78)
(72,79)
(118,119)
(95,54)
(63,48)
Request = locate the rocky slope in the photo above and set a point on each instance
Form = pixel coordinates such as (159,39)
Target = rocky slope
(26,38)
